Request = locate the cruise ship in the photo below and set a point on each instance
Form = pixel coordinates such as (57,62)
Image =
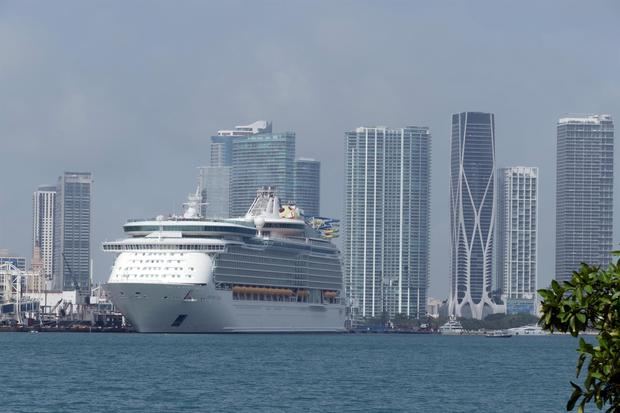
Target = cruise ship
(266,272)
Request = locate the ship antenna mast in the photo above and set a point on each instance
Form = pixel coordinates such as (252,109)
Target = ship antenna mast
(193,204)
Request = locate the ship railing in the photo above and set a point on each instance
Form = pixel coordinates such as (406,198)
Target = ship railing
(117,246)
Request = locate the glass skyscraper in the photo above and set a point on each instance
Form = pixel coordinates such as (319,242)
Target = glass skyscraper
(72,233)
(472,214)
(221,144)
(261,160)
(517,223)
(247,158)
(386,220)
(584,197)
(308,186)
(214,180)
(43,207)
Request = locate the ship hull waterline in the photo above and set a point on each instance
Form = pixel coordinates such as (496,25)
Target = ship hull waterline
(200,308)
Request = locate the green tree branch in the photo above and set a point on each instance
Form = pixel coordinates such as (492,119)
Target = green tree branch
(591,299)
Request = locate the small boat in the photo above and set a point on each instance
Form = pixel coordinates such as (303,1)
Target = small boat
(531,330)
(498,334)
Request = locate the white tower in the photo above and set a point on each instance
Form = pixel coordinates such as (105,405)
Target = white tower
(43,204)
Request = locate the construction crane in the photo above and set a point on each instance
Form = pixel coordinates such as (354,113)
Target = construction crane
(53,310)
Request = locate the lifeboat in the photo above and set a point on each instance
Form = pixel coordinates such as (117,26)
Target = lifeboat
(330,294)
(284,292)
(252,290)
(303,293)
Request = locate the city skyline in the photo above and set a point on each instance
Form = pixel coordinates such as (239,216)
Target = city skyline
(46,188)
(138,113)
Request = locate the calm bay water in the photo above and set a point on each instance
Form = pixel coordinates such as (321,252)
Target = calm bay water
(58,372)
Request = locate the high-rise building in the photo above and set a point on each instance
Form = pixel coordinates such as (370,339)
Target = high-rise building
(214,179)
(43,206)
(72,233)
(215,191)
(262,160)
(584,192)
(516,241)
(472,214)
(386,220)
(308,186)
(250,157)
(221,144)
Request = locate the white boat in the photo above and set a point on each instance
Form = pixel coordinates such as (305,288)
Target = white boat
(531,330)
(498,334)
(452,328)
(266,272)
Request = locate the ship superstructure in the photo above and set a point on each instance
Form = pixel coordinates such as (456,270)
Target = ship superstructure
(266,272)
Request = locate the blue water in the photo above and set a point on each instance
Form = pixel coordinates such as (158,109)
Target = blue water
(58,372)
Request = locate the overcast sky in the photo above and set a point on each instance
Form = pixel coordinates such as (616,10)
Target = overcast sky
(132,91)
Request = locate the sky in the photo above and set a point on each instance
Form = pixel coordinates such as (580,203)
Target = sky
(132,91)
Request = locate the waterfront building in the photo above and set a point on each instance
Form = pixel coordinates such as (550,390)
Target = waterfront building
(15,285)
(472,214)
(434,307)
(43,207)
(214,180)
(308,186)
(386,220)
(262,160)
(517,247)
(72,233)
(584,192)
(15,260)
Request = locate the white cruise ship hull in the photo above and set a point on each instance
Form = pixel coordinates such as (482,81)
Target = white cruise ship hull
(192,308)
